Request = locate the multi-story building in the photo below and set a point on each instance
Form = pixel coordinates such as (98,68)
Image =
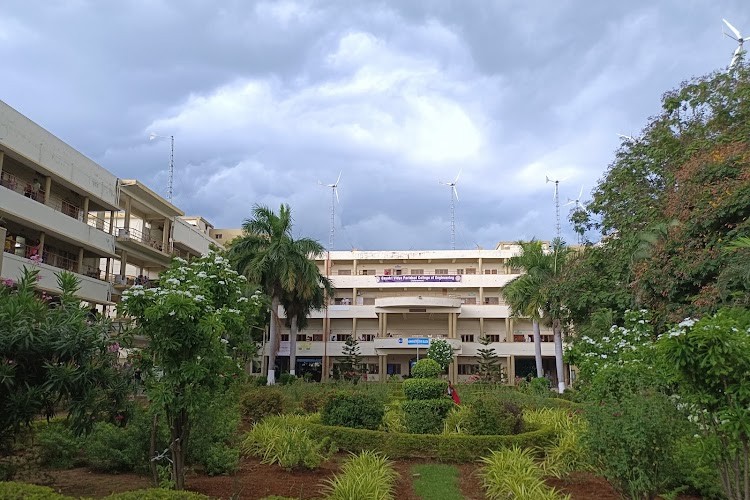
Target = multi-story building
(49,197)
(396,302)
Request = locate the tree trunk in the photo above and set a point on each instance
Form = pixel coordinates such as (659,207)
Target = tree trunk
(293,345)
(179,433)
(559,356)
(152,450)
(273,340)
(537,348)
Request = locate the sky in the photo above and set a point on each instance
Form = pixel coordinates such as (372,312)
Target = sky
(268,99)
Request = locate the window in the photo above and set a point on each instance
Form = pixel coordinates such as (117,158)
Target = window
(493,338)
(394,369)
(469,300)
(367,272)
(492,301)
(459,271)
(345,272)
(417,271)
(490,271)
(386,272)
(398,272)
(468,369)
(373,368)
(441,271)
(471,270)
(219,236)
(467,338)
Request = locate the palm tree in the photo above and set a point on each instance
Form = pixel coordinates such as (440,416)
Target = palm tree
(532,295)
(310,293)
(268,254)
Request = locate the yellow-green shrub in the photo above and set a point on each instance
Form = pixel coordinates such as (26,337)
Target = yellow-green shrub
(367,476)
(12,490)
(566,453)
(512,473)
(283,440)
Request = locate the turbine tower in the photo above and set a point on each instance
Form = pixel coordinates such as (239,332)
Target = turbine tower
(454,199)
(556,197)
(170,181)
(739,39)
(334,199)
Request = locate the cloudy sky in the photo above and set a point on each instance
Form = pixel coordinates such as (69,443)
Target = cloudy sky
(267,98)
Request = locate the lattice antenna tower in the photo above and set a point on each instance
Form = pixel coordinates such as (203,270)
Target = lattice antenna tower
(334,199)
(454,199)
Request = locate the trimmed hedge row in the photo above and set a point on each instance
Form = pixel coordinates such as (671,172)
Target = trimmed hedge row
(449,447)
(12,490)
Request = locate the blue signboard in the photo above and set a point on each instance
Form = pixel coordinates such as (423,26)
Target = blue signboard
(417,341)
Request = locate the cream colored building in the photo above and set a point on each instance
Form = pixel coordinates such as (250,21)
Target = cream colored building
(396,302)
(48,194)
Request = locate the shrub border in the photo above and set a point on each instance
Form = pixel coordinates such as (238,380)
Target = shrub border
(447,447)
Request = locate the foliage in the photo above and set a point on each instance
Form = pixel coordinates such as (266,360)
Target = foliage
(156,494)
(426,416)
(695,464)
(260,380)
(351,365)
(449,447)
(50,354)
(214,441)
(356,410)
(58,446)
(631,436)
(285,441)
(367,476)
(537,386)
(190,321)
(711,359)
(426,368)
(455,421)
(489,368)
(567,452)
(436,481)
(113,449)
(258,403)
(491,416)
(440,351)
(21,491)
(393,418)
(425,388)
(287,378)
(314,401)
(512,473)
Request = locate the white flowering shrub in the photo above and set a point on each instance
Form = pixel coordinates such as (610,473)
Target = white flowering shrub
(441,351)
(631,343)
(192,320)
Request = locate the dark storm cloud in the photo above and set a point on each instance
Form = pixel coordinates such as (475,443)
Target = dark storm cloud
(266,99)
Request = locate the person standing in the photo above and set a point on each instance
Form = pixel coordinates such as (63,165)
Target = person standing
(453,393)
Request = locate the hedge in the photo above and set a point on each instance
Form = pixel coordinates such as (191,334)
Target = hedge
(12,490)
(425,388)
(448,447)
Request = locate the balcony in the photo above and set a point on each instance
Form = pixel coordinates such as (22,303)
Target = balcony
(143,246)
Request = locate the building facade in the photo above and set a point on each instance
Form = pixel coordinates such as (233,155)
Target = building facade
(395,303)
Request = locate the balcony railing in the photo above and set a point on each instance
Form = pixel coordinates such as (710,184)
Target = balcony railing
(52,257)
(140,236)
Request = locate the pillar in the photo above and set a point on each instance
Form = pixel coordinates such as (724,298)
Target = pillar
(450,325)
(383,367)
(85,209)
(80,260)
(41,244)
(481,329)
(510,330)
(453,370)
(354,327)
(126,224)
(479,268)
(47,189)
(354,296)
(481,295)
(108,269)
(2,160)
(455,325)
(508,336)
(111,221)
(165,236)
(123,265)
(385,324)
(511,370)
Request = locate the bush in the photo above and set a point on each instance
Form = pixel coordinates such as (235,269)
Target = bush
(491,416)
(260,381)
(512,473)
(393,418)
(426,416)
(213,438)
(358,410)
(455,421)
(287,379)
(258,403)
(425,388)
(156,494)
(283,440)
(58,447)
(695,465)
(313,402)
(22,491)
(538,386)
(367,476)
(567,453)
(426,368)
(449,447)
(110,448)
(220,458)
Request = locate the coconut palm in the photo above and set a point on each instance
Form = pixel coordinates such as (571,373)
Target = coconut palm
(309,294)
(268,254)
(531,295)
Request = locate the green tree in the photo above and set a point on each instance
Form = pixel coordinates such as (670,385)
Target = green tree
(351,366)
(190,320)
(535,294)
(440,351)
(489,368)
(268,254)
(51,352)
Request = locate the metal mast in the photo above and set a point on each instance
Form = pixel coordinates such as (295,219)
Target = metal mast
(171,171)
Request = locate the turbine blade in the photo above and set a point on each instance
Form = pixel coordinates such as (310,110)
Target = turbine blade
(455,192)
(570,202)
(337,180)
(548,179)
(459,175)
(336,191)
(734,30)
(580,194)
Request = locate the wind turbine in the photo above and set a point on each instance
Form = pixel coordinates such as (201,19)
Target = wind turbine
(578,206)
(739,39)
(556,197)
(454,194)
(334,199)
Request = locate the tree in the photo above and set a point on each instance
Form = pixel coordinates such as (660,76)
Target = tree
(441,351)
(489,368)
(351,366)
(49,352)
(268,254)
(310,293)
(535,294)
(190,320)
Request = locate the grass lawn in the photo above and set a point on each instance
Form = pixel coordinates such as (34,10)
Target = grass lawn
(436,482)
